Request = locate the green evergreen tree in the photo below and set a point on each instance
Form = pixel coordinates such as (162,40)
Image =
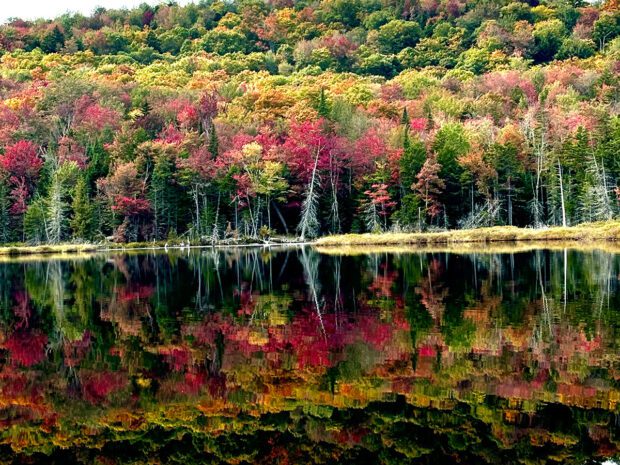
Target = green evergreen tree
(5,216)
(214,144)
(99,164)
(322,107)
(35,230)
(404,120)
(57,202)
(153,41)
(509,179)
(163,197)
(451,143)
(82,220)
(412,160)
(610,147)
(53,41)
(572,157)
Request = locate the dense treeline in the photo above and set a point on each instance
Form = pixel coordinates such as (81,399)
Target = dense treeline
(227,119)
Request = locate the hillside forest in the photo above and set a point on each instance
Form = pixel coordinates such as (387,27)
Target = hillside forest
(248,118)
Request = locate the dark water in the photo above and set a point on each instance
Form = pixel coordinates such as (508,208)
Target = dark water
(292,357)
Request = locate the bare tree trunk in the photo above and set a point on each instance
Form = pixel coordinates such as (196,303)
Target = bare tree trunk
(198,225)
(254,229)
(215,235)
(562,194)
(275,207)
(509,202)
(309,207)
(269,213)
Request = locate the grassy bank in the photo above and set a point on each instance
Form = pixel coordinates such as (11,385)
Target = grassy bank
(479,248)
(592,232)
(59,250)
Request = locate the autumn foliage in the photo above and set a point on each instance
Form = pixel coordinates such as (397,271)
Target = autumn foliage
(214,121)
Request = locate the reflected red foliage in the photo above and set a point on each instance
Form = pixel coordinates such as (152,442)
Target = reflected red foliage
(75,351)
(27,348)
(97,387)
(134,292)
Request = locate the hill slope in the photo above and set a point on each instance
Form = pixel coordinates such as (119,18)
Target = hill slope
(227,119)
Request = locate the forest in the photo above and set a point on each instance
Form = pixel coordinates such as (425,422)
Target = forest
(249,119)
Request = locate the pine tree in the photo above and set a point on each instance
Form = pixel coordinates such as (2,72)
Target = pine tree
(163,197)
(571,162)
(35,222)
(56,208)
(509,177)
(153,41)
(412,160)
(98,166)
(404,120)
(610,148)
(82,220)
(214,144)
(449,145)
(5,217)
(322,107)
(53,41)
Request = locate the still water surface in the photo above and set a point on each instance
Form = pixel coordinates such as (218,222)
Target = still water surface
(295,357)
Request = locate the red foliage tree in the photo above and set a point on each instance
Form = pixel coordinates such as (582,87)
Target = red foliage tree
(21,160)
(305,142)
(70,151)
(9,122)
(367,150)
(22,164)
(19,194)
(130,206)
(92,118)
(429,186)
(207,110)
(379,196)
(171,135)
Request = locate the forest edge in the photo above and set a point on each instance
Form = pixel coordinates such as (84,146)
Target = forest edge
(589,233)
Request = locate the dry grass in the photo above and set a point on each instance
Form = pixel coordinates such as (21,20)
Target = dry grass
(586,233)
(57,250)
(470,248)
(70,251)
(604,236)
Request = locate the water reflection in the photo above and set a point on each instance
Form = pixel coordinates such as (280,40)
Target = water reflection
(258,356)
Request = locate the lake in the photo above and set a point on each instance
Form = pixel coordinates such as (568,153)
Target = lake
(292,356)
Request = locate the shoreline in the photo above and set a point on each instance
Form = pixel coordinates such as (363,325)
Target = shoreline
(587,235)
(63,250)
(604,232)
